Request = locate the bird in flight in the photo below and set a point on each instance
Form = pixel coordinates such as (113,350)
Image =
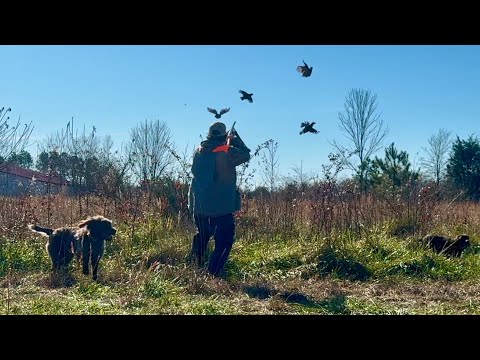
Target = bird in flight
(304,69)
(246,96)
(308,127)
(218,115)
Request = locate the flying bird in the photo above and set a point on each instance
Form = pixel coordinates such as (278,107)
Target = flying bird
(218,115)
(246,96)
(308,127)
(305,70)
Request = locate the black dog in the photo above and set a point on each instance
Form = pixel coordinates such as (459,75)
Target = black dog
(444,245)
(87,241)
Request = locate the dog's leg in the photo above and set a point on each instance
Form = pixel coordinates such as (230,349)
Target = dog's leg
(87,253)
(97,253)
(77,249)
(55,257)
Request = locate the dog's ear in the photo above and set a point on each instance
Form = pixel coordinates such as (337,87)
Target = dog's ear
(98,226)
(83,229)
(84,223)
(92,219)
(463,237)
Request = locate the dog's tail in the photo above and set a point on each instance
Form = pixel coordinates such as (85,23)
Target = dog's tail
(41,230)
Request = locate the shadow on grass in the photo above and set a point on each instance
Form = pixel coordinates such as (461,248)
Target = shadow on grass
(165,258)
(333,305)
(259,292)
(61,279)
(340,265)
(421,267)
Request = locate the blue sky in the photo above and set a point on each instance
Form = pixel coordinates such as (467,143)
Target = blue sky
(420,89)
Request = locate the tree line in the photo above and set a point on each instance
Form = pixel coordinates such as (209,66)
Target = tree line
(149,160)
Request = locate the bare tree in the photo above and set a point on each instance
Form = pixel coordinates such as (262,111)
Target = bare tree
(13,138)
(300,177)
(269,165)
(363,128)
(182,170)
(435,160)
(149,150)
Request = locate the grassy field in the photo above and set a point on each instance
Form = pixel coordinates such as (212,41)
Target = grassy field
(144,271)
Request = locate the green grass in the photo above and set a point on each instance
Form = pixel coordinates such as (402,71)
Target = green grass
(145,272)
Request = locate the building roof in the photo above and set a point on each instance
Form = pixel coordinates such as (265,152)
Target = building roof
(16,170)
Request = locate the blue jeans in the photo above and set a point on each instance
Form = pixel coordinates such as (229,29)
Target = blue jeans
(223,230)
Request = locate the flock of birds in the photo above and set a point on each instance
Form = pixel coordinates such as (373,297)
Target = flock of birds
(305,70)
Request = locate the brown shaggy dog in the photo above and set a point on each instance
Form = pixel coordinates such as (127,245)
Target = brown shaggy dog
(87,241)
(444,245)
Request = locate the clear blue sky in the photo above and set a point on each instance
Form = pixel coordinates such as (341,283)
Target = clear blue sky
(420,89)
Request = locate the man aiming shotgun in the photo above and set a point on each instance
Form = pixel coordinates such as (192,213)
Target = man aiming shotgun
(213,195)
(230,135)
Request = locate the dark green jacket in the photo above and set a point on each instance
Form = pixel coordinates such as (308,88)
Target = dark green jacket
(213,190)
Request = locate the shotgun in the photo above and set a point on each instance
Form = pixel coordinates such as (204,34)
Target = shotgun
(225,147)
(230,133)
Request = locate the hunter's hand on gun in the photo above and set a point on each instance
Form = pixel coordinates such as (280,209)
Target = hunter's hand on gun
(231,134)
(233,138)
(238,142)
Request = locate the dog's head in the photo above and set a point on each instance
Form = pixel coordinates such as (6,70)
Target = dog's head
(462,242)
(98,227)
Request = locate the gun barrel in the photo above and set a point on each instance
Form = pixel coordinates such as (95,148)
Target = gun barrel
(230,133)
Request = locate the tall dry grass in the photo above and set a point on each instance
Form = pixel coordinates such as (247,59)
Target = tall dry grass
(289,243)
(320,210)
